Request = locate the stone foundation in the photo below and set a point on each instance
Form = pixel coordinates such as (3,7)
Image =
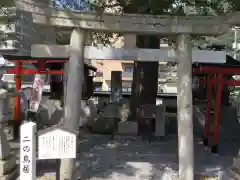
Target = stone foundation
(128,128)
(8,167)
(232,173)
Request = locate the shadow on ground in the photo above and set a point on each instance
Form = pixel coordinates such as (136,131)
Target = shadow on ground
(131,158)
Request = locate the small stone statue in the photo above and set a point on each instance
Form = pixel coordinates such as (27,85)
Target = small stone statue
(4,100)
(116,97)
(5,95)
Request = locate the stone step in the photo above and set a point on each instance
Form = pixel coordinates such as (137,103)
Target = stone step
(236,164)
(229,174)
(234,173)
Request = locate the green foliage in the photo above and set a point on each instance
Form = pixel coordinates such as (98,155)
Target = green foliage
(173,7)
(129,6)
(209,7)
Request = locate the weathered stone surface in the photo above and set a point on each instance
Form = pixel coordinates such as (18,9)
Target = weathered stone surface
(5,110)
(160,121)
(107,119)
(236,164)
(7,165)
(128,128)
(5,149)
(125,111)
(11,175)
(228,174)
(102,125)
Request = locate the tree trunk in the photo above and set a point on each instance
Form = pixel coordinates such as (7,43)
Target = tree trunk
(145,77)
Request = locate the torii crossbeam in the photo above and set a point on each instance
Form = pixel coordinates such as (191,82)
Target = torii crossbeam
(126,54)
(132,23)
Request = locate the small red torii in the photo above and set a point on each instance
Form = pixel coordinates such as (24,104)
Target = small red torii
(43,66)
(215,76)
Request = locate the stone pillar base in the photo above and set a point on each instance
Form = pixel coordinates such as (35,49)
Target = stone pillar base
(8,168)
(10,176)
(232,173)
(236,164)
(228,174)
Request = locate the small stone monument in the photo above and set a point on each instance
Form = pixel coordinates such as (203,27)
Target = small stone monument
(160,121)
(236,166)
(8,167)
(233,172)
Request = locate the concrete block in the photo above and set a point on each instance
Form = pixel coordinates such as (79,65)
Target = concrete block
(128,128)
(7,165)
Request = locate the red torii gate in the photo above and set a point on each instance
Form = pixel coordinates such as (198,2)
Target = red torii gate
(41,65)
(215,76)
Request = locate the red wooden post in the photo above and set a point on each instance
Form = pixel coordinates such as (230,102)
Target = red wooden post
(217,112)
(17,99)
(17,102)
(207,112)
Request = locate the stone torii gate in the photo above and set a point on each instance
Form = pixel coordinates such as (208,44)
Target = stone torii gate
(182,27)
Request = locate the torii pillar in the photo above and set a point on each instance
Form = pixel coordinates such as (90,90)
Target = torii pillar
(185,108)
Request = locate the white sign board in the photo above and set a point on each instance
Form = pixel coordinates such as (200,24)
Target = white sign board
(57,144)
(28,151)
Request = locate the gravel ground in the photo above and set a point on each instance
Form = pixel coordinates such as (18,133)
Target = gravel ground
(132,159)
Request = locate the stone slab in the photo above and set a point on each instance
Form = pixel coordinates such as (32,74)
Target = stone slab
(160,121)
(7,165)
(10,176)
(5,149)
(228,174)
(236,164)
(128,128)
